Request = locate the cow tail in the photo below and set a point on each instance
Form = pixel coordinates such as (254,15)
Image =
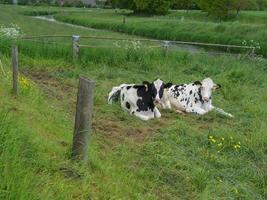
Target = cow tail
(114,95)
(221,111)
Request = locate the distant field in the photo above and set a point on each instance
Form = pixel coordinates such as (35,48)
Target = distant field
(168,158)
(194,26)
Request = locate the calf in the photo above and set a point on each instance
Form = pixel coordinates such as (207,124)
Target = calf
(193,97)
(139,100)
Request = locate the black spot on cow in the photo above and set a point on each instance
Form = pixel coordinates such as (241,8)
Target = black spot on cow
(127,104)
(167,85)
(190,92)
(197,83)
(200,96)
(161,91)
(128,87)
(123,97)
(145,102)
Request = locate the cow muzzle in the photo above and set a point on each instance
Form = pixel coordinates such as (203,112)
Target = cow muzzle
(157,100)
(206,99)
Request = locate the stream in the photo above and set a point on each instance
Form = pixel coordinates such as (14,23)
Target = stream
(178,47)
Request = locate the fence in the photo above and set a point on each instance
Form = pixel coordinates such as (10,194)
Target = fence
(165,44)
(84,109)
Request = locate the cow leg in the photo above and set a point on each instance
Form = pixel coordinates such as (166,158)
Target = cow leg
(156,113)
(179,111)
(141,116)
(167,105)
(197,110)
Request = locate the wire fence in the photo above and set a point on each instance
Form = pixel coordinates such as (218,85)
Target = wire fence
(164,42)
(80,42)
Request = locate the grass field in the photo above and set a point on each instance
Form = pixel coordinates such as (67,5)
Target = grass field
(194,26)
(169,158)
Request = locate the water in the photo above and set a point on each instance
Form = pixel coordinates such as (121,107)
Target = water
(172,46)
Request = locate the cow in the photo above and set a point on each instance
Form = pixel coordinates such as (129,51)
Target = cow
(139,100)
(192,98)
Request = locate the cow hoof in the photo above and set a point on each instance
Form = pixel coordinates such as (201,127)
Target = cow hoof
(180,112)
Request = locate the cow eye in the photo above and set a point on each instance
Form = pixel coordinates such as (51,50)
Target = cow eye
(154,91)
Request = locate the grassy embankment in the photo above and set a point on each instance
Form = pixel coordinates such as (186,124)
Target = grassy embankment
(195,26)
(170,158)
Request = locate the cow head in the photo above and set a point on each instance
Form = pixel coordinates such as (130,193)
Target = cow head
(206,88)
(157,89)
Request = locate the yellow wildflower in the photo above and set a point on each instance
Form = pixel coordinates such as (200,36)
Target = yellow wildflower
(220,144)
(210,137)
(236,190)
(213,140)
(222,138)
(24,82)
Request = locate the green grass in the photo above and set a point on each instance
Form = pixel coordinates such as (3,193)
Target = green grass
(167,158)
(196,27)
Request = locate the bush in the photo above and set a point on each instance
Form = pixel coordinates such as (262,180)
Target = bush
(157,7)
(224,9)
(183,4)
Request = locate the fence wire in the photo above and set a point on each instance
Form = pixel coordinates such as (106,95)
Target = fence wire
(143,40)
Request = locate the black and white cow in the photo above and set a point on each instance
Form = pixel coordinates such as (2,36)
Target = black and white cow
(192,98)
(139,100)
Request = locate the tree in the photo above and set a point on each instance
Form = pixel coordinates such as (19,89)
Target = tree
(262,4)
(127,4)
(144,6)
(228,8)
(239,4)
(183,4)
(152,6)
(221,9)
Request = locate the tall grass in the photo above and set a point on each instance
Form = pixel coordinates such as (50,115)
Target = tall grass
(232,32)
(177,160)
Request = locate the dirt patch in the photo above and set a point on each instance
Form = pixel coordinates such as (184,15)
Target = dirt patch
(120,131)
(52,86)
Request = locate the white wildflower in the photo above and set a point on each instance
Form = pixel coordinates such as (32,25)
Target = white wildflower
(11,31)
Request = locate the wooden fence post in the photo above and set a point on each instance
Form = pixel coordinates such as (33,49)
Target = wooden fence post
(83,119)
(166,46)
(15,69)
(75,47)
(253,52)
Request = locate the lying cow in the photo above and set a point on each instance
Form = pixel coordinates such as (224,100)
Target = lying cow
(192,98)
(139,100)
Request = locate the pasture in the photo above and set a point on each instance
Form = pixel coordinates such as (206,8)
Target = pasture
(194,26)
(174,157)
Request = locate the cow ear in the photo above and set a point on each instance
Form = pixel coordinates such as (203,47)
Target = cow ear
(167,85)
(216,86)
(146,84)
(197,83)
